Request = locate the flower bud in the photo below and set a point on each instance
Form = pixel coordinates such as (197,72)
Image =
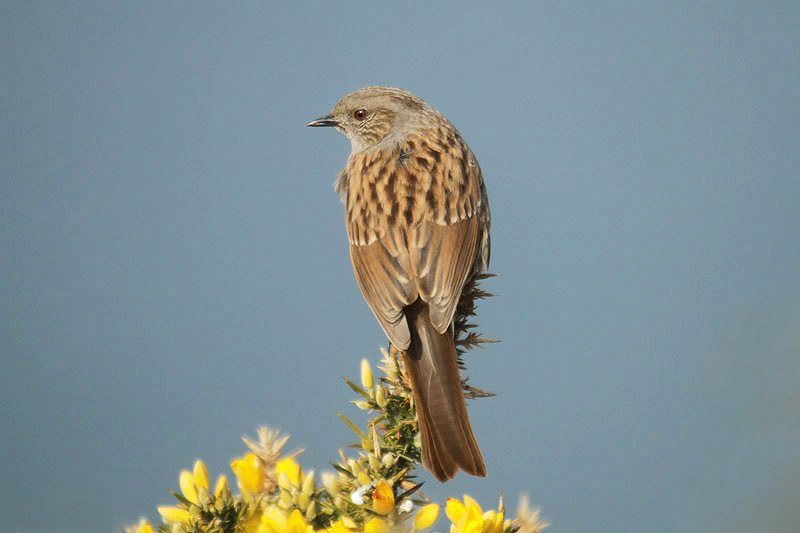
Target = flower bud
(366,374)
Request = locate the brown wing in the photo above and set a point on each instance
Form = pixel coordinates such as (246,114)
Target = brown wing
(382,272)
(432,262)
(444,258)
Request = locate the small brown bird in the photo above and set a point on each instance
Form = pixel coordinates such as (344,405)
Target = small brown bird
(418,223)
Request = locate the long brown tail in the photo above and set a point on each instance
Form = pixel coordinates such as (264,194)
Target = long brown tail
(432,367)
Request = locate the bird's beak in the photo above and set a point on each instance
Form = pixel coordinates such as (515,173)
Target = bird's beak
(327,120)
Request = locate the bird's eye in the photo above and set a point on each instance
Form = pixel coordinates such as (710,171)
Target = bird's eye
(360,114)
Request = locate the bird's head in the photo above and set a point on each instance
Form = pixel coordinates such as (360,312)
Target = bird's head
(377,116)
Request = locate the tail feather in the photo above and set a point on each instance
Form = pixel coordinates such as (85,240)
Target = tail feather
(432,366)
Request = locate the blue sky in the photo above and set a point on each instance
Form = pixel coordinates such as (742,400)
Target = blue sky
(174,269)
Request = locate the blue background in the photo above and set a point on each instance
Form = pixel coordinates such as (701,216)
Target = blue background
(174,270)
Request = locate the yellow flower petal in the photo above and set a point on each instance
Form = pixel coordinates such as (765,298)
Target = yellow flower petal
(376,525)
(187,487)
(472,520)
(200,475)
(250,473)
(383,498)
(426,516)
(251,525)
(273,520)
(174,514)
(291,467)
(474,526)
(472,504)
(466,517)
(221,485)
(296,523)
(366,374)
(492,522)
(454,510)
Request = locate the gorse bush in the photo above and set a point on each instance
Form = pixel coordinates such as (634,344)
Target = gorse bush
(375,491)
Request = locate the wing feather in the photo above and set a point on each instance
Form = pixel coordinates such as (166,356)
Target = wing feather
(434,267)
(386,287)
(452,249)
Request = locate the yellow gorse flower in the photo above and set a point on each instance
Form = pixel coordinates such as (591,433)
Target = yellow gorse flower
(275,520)
(250,474)
(251,525)
(221,485)
(426,516)
(492,522)
(200,474)
(291,467)
(468,517)
(188,489)
(454,509)
(194,486)
(174,514)
(382,498)
(297,523)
